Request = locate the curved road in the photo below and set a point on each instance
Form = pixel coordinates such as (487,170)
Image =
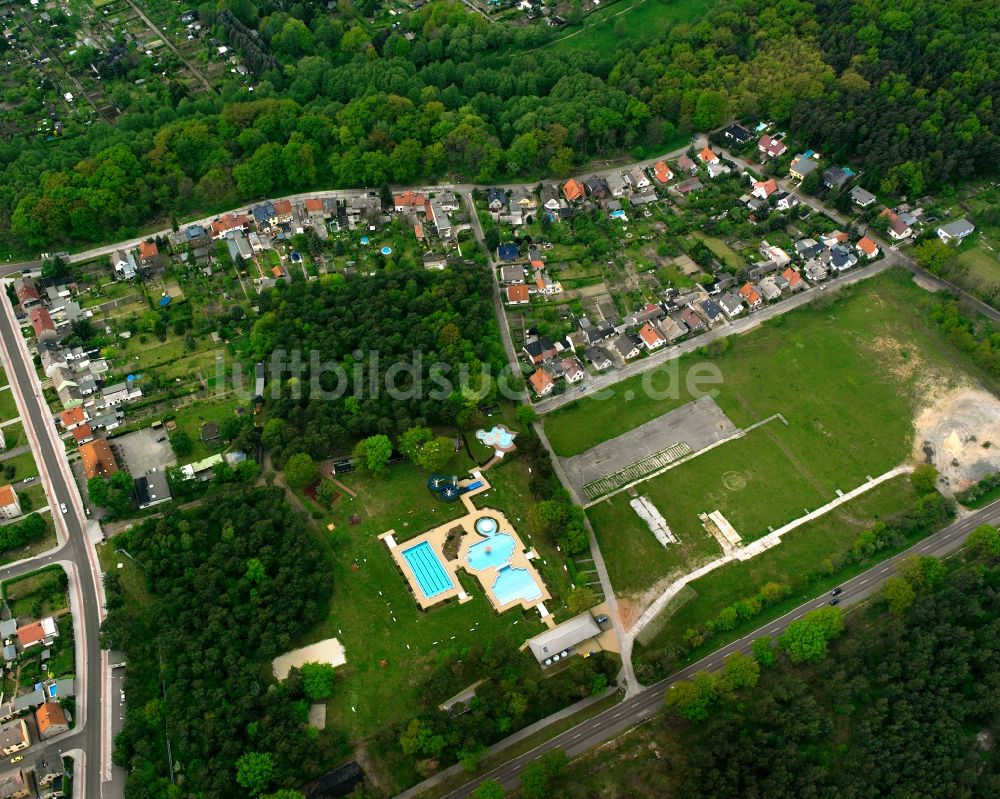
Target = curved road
(649,703)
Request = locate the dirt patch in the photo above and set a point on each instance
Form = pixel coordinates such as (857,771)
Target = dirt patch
(926,284)
(960,435)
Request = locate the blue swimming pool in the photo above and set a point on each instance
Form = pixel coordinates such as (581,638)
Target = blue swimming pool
(515,584)
(498,438)
(428,570)
(486,525)
(494,551)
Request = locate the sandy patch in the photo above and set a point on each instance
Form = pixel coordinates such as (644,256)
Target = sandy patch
(329,651)
(960,435)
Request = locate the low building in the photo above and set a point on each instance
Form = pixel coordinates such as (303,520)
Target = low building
(862,197)
(152,489)
(542,382)
(10,506)
(51,720)
(867,247)
(737,134)
(37,632)
(955,231)
(512,274)
(803,168)
(562,640)
(14,737)
(98,459)
(14,784)
(708,156)
(518,295)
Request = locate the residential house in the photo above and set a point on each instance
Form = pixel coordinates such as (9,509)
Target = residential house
(673,328)
(51,719)
(750,296)
(283,212)
(118,393)
(149,254)
(507,252)
(644,196)
(10,506)
(714,170)
(448,201)
(955,231)
(539,349)
(662,172)
(839,258)
(37,632)
(596,187)
(542,382)
(807,248)
(598,357)
(14,785)
(764,188)
(652,338)
(690,318)
(518,295)
(151,489)
(711,310)
(511,274)
(264,215)
(737,134)
(793,279)
(408,202)
(27,292)
(785,201)
(258,243)
(232,221)
(41,322)
(437,213)
(898,229)
(553,202)
(14,737)
(83,434)
(836,178)
(74,417)
(803,168)
(688,186)
(775,254)
(816,270)
(49,770)
(637,178)
(124,265)
(730,304)
(862,197)
(239,246)
(573,190)
(572,370)
(685,164)
(98,459)
(867,247)
(617,184)
(496,201)
(708,156)
(771,146)
(769,289)
(625,346)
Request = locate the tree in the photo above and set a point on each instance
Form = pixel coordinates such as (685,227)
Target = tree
(763,650)
(301,471)
(97,490)
(317,680)
(254,771)
(538,776)
(924,478)
(899,594)
(412,440)
(489,789)
(984,541)
(806,639)
(923,572)
(740,672)
(181,443)
(327,492)
(373,454)
(691,699)
(580,599)
(435,454)
(526,415)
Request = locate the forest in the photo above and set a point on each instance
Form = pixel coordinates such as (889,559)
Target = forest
(225,588)
(904,91)
(905,703)
(368,326)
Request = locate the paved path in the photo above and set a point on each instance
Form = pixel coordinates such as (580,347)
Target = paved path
(649,703)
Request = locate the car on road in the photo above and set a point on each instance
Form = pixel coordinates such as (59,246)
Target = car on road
(122,696)
(602,619)
(17,759)
(835,601)
(837,591)
(62,507)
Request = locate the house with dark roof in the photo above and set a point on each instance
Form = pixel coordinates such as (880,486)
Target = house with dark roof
(689,316)
(712,311)
(898,229)
(598,357)
(507,252)
(802,168)
(625,347)
(685,164)
(539,349)
(152,488)
(862,197)
(496,201)
(836,178)
(596,187)
(737,134)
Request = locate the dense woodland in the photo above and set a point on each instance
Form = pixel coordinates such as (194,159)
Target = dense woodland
(905,704)
(444,316)
(226,589)
(904,90)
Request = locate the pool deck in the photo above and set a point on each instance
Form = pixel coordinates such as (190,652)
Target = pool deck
(520,559)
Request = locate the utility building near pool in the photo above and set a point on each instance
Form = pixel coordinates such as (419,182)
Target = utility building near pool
(550,646)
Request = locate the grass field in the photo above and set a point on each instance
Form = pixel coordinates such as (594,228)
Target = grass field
(849,379)
(190,419)
(722,250)
(810,547)
(13,435)
(24,466)
(8,407)
(642,21)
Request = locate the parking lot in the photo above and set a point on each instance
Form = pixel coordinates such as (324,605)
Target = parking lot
(143,450)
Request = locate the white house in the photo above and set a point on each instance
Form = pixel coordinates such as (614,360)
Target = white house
(955,231)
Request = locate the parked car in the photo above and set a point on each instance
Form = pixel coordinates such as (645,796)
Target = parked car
(602,619)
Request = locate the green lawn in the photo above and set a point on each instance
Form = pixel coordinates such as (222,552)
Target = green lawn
(8,407)
(190,419)
(722,250)
(24,466)
(13,435)
(807,548)
(643,19)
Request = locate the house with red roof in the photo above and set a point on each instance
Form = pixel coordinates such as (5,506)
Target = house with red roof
(74,417)
(764,188)
(227,222)
(771,146)
(662,172)
(518,295)
(750,296)
(708,156)
(898,229)
(408,201)
(37,632)
(542,382)
(652,338)
(149,253)
(41,321)
(573,190)
(794,279)
(867,247)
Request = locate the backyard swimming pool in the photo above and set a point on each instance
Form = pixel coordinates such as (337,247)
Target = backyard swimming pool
(494,551)
(427,569)
(515,584)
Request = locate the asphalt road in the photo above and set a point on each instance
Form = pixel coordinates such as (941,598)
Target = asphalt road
(76,552)
(619,718)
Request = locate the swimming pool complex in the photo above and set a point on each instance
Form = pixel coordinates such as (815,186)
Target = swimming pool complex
(499,438)
(494,551)
(428,570)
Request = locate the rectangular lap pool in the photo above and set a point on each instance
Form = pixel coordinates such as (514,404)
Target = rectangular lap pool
(428,570)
